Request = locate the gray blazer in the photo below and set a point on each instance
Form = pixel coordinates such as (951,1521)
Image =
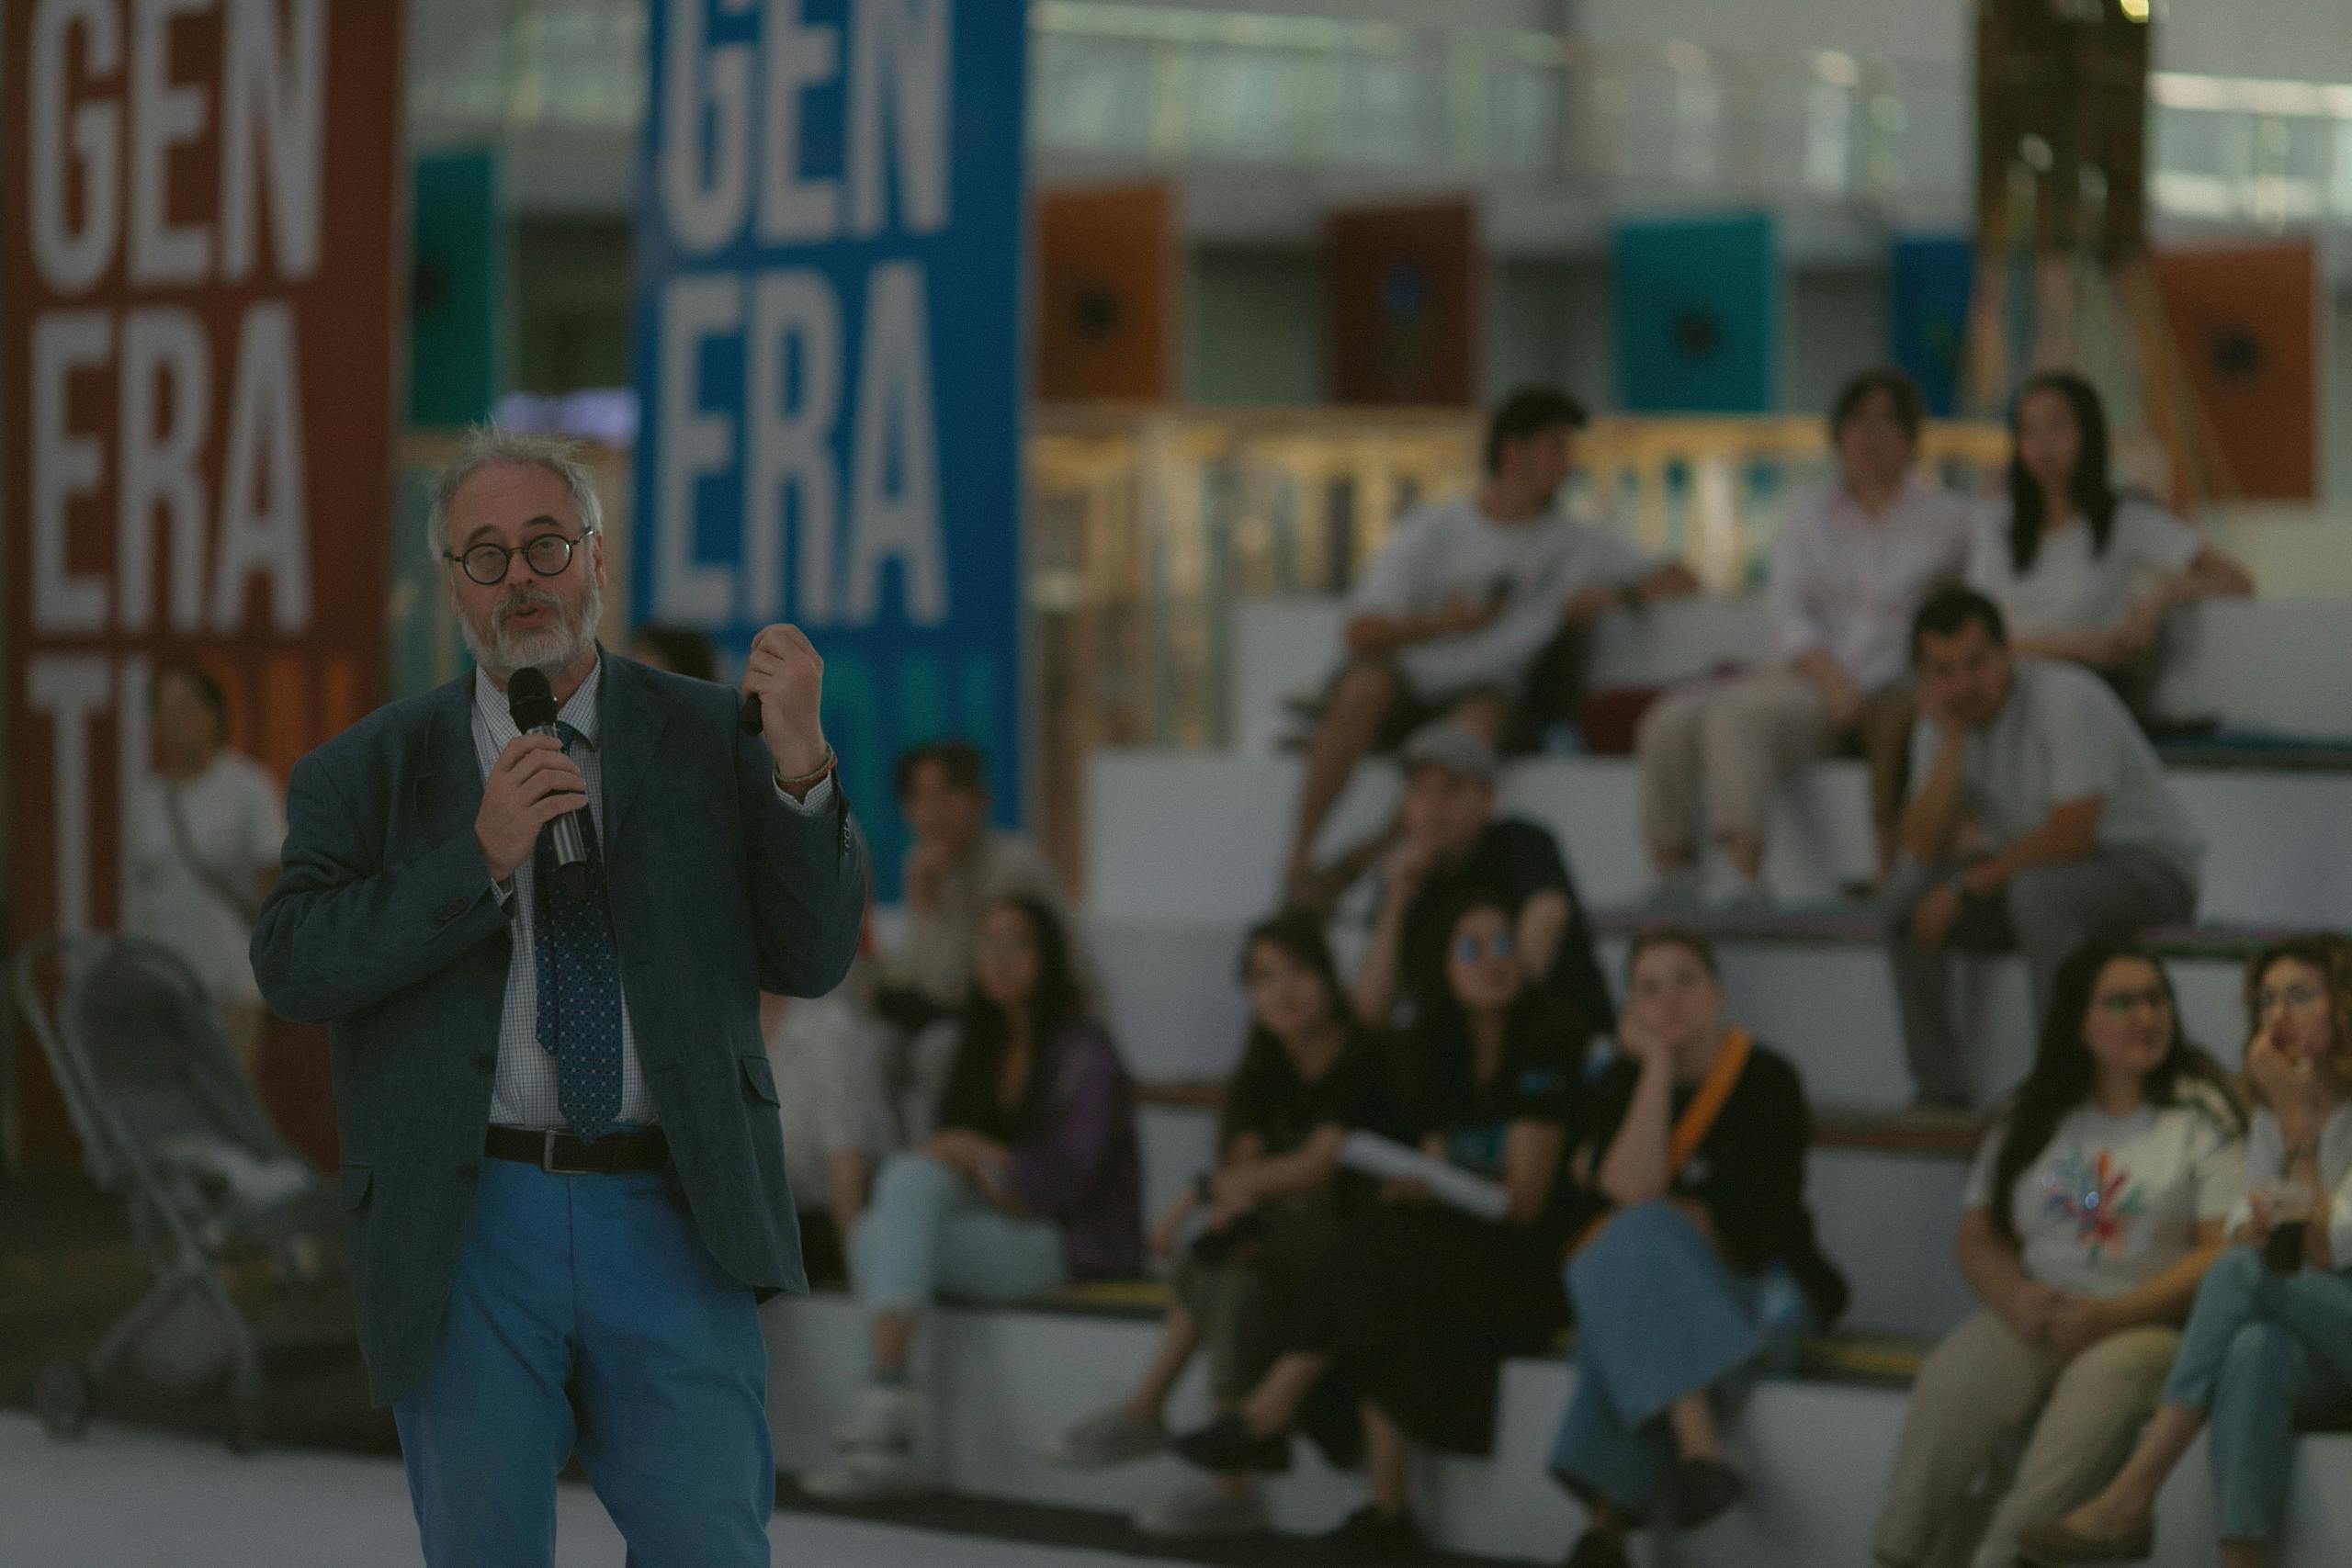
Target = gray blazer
(384,927)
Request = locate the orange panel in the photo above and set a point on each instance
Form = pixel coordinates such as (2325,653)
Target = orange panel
(1401,311)
(1106,294)
(2245,321)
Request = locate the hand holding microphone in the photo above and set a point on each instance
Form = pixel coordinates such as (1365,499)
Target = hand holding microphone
(533,785)
(784,685)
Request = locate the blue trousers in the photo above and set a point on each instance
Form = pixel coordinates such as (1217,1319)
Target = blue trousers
(929,1232)
(2260,1351)
(589,1319)
(1658,1316)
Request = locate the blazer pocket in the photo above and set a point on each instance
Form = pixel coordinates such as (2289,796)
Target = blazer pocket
(356,1181)
(758,1077)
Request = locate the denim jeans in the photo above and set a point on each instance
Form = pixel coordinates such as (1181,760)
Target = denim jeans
(929,1233)
(2262,1351)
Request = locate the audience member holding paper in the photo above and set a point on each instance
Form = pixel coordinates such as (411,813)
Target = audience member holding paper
(1700,1269)
(1418,1304)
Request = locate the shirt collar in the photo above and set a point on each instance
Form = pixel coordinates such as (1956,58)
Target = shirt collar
(581,710)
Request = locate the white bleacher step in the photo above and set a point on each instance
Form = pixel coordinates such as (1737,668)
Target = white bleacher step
(1885,1202)
(1818,990)
(1816,1452)
(2261,664)
(1177,835)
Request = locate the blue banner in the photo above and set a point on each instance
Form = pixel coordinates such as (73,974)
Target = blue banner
(828,252)
(1930,284)
(1695,315)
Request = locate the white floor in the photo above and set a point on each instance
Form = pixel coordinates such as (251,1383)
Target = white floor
(126,1498)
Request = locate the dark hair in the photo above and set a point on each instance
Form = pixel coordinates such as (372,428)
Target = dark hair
(684,650)
(1530,411)
(971,1100)
(2087,486)
(1437,1051)
(1910,408)
(959,762)
(209,690)
(2063,1073)
(1684,937)
(2332,957)
(1950,611)
(1297,935)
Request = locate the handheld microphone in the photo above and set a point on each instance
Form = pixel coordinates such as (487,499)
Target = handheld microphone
(747,718)
(530,702)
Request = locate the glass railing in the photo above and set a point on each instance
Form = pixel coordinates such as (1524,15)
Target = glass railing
(1126,84)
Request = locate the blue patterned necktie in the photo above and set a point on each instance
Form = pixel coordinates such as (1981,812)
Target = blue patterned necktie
(580,985)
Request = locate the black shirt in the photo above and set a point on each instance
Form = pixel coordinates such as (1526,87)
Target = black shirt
(1535,1082)
(1515,858)
(1748,1172)
(1268,1099)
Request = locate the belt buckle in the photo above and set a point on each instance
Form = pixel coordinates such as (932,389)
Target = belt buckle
(547,1157)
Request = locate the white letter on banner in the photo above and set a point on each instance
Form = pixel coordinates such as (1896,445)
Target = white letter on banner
(64,465)
(71,260)
(792,311)
(69,688)
(272,107)
(794,210)
(913,37)
(694,442)
(163,116)
(264,447)
(894,396)
(158,466)
(705,201)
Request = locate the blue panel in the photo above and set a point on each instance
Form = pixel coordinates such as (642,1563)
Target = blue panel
(1930,282)
(1695,308)
(828,339)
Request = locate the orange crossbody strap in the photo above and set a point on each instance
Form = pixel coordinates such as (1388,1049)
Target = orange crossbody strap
(1698,1118)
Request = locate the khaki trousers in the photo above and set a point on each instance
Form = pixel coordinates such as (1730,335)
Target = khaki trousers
(1982,1393)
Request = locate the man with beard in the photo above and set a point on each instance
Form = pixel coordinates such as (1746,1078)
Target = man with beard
(562,1169)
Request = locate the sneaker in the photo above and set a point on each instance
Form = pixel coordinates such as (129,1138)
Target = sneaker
(1110,1438)
(889,1416)
(1700,1491)
(1227,1446)
(1370,1536)
(868,1475)
(1203,1511)
(2056,1545)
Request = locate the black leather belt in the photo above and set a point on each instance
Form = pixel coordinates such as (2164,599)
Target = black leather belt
(563,1153)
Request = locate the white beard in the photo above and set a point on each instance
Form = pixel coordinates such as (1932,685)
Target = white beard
(571,638)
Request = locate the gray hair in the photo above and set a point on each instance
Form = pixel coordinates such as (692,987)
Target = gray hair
(487,446)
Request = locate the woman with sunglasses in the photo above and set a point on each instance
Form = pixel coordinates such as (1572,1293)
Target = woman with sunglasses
(2271,1340)
(2092,1214)
(1418,1304)
(1700,1269)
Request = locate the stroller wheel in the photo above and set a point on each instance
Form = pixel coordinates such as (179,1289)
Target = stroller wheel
(61,1398)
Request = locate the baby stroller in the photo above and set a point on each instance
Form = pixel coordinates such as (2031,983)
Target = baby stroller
(242,1237)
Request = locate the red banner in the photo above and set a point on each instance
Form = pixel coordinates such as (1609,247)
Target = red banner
(200,204)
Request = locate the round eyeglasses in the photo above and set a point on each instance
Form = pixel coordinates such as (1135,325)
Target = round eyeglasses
(548,555)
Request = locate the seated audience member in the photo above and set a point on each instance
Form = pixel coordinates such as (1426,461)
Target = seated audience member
(1031,1181)
(2093,1210)
(2078,835)
(678,650)
(828,1055)
(1850,568)
(1466,610)
(2081,572)
(1259,1223)
(1453,844)
(1417,1304)
(2269,1341)
(956,866)
(1703,1269)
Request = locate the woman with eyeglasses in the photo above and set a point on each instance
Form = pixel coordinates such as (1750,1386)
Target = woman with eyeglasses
(1699,1266)
(2269,1342)
(1033,1181)
(1418,1303)
(2092,1214)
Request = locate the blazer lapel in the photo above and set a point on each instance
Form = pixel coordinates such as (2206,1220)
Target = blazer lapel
(635,716)
(449,792)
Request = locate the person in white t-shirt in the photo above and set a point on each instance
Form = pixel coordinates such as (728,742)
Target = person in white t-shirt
(2094,1208)
(2080,572)
(2269,1343)
(201,845)
(1464,609)
(1848,567)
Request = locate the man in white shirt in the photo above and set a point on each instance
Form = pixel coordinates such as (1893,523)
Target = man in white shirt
(1848,567)
(2080,835)
(1466,605)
